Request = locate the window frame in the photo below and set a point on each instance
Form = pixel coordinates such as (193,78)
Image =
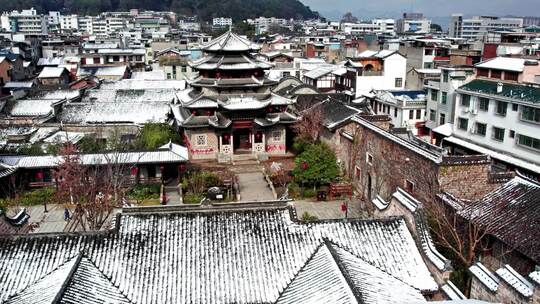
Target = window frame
(483,101)
(204,137)
(460,121)
(463,99)
(494,134)
(484,127)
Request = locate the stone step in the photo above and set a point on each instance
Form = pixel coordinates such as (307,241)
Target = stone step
(246,163)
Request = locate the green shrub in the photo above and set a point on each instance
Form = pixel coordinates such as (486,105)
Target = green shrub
(309,193)
(307,217)
(190,198)
(316,165)
(144,192)
(294,190)
(36,197)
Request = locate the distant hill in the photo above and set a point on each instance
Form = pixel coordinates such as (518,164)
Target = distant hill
(205,9)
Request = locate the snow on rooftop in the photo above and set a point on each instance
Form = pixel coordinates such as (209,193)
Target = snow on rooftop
(503,63)
(485,276)
(230,42)
(57,94)
(52,72)
(139,84)
(242,256)
(150,75)
(514,279)
(452,292)
(33,107)
(445,129)
(320,71)
(535,276)
(111,112)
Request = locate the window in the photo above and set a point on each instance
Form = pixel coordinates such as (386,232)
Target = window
(276,136)
(515,107)
(432,115)
(369,159)
(512,133)
(395,112)
(501,108)
(484,104)
(465,100)
(463,123)
(498,134)
(411,114)
(445,76)
(528,142)
(357,172)
(482,72)
(200,140)
(444,97)
(409,186)
(399,82)
(513,76)
(434,95)
(168,75)
(418,114)
(480,129)
(495,74)
(442,119)
(530,114)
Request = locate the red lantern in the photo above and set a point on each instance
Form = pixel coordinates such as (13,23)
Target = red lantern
(343,207)
(134,171)
(161,168)
(39,175)
(304,165)
(208,113)
(226,136)
(182,167)
(193,112)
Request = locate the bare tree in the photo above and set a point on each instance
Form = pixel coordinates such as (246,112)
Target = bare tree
(309,126)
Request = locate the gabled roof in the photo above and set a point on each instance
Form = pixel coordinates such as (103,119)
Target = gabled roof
(230,42)
(511,213)
(52,72)
(221,256)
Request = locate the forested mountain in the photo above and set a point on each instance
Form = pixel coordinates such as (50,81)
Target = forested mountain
(205,9)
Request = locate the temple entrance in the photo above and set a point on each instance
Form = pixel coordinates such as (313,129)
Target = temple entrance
(242,140)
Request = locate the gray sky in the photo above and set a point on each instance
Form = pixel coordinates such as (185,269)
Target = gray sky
(432,8)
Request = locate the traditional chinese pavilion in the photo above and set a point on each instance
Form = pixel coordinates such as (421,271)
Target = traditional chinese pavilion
(230,107)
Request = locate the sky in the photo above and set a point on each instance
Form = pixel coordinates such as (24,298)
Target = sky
(365,9)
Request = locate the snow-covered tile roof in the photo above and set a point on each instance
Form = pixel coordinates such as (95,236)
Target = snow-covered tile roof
(52,72)
(514,279)
(320,281)
(150,75)
(320,71)
(111,112)
(33,107)
(57,94)
(169,153)
(503,63)
(242,103)
(118,71)
(230,42)
(64,136)
(452,292)
(485,276)
(46,288)
(241,256)
(535,276)
(406,199)
(494,154)
(130,95)
(140,84)
(375,285)
(445,129)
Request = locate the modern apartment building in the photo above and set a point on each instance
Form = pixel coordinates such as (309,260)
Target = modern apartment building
(413,23)
(25,21)
(477,27)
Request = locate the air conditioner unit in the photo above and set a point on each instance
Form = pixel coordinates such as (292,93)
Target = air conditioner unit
(474,111)
(467,110)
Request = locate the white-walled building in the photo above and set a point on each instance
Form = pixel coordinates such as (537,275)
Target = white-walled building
(478,26)
(25,21)
(69,23)
(222,22)
(406,109)
(382,70)
(441,94)
(500,119)
(413,23)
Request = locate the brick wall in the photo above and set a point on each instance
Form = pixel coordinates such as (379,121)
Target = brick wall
(466,177)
